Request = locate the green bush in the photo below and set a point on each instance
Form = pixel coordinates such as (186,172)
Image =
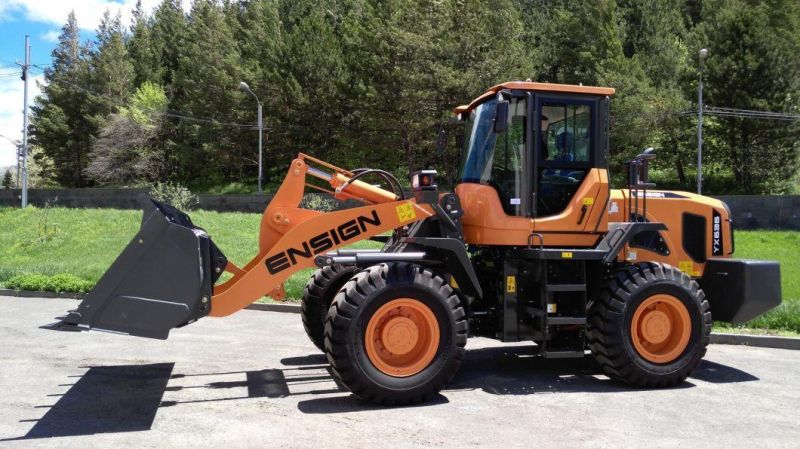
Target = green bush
(174,194)
(63,282)
(785,317)
(319,202)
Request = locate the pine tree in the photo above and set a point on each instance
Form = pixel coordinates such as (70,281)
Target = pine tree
(256,26)
(8,179)
(111,70)
(315,75)
(60,124)
(208,74)
(146,64)
(111,64)
(166,39)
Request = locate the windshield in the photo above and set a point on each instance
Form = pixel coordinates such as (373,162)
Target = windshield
(479,144)
(496,159)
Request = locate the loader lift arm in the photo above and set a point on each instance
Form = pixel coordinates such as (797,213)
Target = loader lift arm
(291,237)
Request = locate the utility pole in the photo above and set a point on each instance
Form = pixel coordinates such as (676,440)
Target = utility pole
(245,88)
(25,68)
(703,54)
(260,139)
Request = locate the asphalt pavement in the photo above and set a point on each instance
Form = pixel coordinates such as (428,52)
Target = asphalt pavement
(254,380)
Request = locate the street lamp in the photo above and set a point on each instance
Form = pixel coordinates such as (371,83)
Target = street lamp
(703,54)
(245,88)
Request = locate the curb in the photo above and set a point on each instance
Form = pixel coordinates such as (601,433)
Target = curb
(33,294)
(757,341)
(283,308)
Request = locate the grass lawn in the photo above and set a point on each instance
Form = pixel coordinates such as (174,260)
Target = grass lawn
(782,246)
(84,242)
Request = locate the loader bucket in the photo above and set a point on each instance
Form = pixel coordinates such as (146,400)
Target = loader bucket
(161,280)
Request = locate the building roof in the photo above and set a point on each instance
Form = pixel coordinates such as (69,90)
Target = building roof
(543,87)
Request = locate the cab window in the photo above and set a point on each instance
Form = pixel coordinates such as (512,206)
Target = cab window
(564,153)
(566,132)
(507,176)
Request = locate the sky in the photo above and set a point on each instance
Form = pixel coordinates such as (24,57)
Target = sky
(42,20)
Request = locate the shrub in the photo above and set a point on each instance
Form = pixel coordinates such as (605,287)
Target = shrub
(319,202)
(174,194)
(42,283)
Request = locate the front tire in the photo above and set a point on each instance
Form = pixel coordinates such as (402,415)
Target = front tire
(395,334)
(650,326)
(317,297)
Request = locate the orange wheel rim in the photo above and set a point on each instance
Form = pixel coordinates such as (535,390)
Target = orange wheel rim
(661,328)
(402,337)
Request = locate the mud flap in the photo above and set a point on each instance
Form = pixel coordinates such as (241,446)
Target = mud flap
(163,279)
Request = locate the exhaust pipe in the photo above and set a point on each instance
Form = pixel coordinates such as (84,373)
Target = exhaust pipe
(163,279)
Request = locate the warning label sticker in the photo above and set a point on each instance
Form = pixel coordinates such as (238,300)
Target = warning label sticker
(511,284)
(688,267)
(405,212)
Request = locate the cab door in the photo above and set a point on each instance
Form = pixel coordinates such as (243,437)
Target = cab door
(570,180)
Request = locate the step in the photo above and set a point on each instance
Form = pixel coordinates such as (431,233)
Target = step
(563,354)
(566,287)
(565,320)
(562,254)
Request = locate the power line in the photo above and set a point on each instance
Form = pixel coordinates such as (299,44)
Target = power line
(14,141)
(745,113)
(748,113)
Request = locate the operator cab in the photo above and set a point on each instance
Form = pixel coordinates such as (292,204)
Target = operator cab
(535,143)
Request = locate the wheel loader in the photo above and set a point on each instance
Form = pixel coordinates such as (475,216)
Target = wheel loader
(533,245)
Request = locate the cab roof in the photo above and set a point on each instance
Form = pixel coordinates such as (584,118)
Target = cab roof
(542,87)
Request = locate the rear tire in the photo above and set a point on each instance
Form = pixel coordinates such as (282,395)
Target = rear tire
(389,367)
(650,326)
(317,297)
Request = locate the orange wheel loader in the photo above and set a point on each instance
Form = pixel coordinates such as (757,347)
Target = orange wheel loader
(533,245)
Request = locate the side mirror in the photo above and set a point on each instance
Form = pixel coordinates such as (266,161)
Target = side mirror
(649,153)
(501,117)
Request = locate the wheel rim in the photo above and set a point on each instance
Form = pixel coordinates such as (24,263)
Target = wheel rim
(661,328)
(402,337)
